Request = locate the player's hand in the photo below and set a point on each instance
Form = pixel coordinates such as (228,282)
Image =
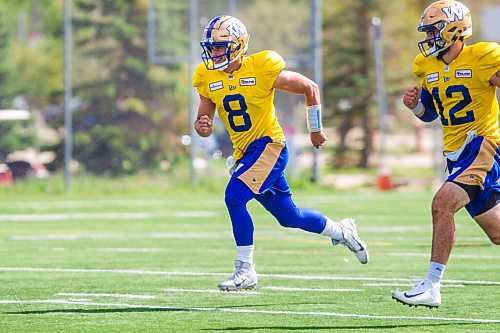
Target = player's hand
(203,125)
(318,139)
(411,96)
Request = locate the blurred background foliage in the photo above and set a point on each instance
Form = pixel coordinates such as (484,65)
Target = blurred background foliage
(131,113)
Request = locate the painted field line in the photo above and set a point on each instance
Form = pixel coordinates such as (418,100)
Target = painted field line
(408,285)
(152,250)
(108,295)
(211,291)
(310,289)
(249,311)
(395,228)
(271,276)
(108,216)
(211,235)
(73,216)
(131,250)
(66,237)
(283,252)
(457,256)
(46,205)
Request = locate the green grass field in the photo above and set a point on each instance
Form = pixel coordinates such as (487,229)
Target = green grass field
(151,263)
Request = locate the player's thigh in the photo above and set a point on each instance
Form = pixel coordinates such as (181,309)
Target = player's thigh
(278,198)
(449,198)
(489,221)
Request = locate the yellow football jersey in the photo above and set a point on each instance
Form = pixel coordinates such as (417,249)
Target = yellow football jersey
(462,94)
(245,98)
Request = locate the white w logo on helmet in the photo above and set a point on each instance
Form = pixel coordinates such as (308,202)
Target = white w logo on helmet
(453,13)
(236,30)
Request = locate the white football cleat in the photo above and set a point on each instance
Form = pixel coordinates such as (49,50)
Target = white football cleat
(426,294)
(245,277)
(351,240)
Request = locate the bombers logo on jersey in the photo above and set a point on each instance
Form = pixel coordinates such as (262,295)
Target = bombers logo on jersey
(247,81)
(463,73)
(433,77)
(216,85)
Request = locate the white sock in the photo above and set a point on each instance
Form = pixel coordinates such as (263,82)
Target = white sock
(332,230)
(436,271)
(245,253)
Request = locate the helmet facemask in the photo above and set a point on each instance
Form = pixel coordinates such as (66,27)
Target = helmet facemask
(222,59)
(433,45)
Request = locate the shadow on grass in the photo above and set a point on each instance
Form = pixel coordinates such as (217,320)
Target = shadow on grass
(138,309)
(141,309)
(319,328)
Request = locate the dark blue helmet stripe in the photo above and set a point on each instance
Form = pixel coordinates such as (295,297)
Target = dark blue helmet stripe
(209,31)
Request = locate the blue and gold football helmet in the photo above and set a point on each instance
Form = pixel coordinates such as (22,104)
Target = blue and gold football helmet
(444,21)
(225,39)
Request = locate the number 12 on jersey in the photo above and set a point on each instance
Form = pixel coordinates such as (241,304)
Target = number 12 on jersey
(459,106)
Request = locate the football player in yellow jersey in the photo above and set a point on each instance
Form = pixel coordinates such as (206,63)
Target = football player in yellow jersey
(458,86)
(241,89)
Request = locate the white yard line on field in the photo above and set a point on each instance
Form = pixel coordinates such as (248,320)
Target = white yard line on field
(73,216)
(310,289)
(443,285)
(395,228)
(250,311)
(283,252)
(66,237)
(211,291)
(200,235)
(455,256)
(193,235)
(108,295)
(271,276)
(152,250)
(46,205)
(107,216)
(130,250)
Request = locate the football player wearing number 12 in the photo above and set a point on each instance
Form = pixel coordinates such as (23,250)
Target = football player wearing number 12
(241,88)
(458,86)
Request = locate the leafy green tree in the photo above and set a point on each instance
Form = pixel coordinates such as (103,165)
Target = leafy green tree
(14,135)
(127,100)
(348,86)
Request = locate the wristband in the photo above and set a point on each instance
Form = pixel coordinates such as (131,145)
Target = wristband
(314,118)
(419,109)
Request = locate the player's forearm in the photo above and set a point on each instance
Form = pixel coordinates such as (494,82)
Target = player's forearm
(311,94)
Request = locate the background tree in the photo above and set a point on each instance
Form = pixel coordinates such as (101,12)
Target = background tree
(348,87)
(128,117)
